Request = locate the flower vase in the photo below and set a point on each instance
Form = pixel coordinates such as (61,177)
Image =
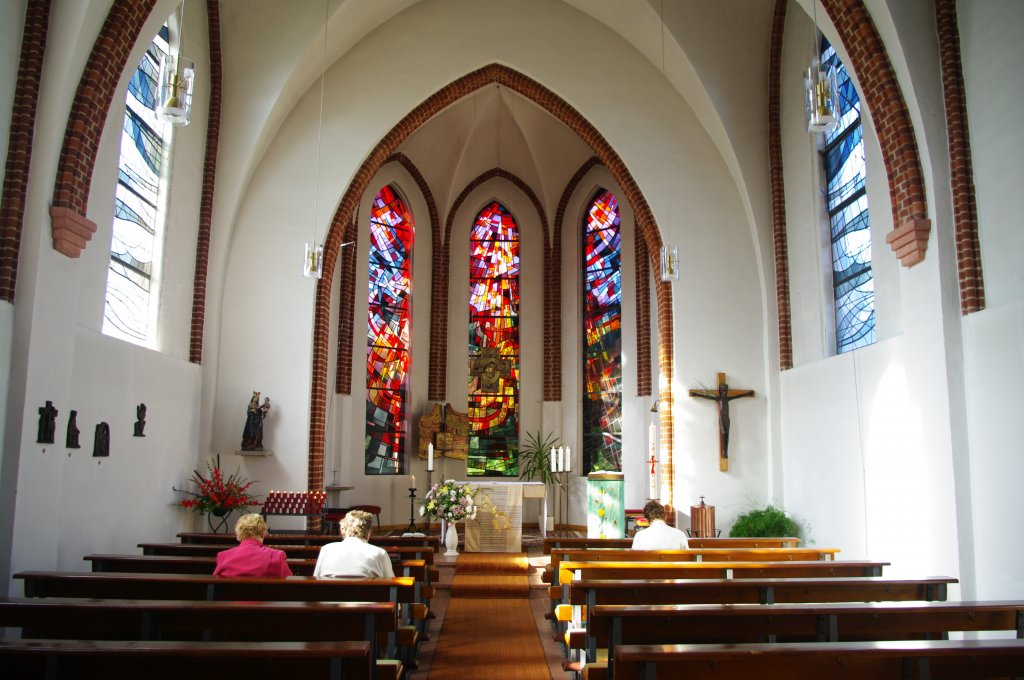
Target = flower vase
(451,540)
(220,524)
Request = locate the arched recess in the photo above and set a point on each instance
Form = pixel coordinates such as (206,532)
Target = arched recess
(562,111)
(884,98)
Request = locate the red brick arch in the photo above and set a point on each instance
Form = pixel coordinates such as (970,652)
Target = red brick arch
(884,99)
(447,95)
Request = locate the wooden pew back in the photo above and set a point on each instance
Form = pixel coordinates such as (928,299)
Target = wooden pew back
(166,660)
(569,571)
(611,625)
(934,659)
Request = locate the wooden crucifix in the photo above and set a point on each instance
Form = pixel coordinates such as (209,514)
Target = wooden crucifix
(723,395)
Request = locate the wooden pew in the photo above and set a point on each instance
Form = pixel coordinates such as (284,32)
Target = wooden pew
(583,543)
(275,539)
(569,571)
(559,555)
(933,659)
(401,590)
(306,552)
(374,622)
(160,564)
(758,591)
(168,660)
(611,625)
(753,542)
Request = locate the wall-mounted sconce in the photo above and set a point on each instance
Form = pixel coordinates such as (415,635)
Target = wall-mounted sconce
(669,263)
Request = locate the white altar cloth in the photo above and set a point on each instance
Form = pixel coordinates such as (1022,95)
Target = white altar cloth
(498,526)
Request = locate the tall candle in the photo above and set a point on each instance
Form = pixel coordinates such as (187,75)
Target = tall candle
(561,459)
(568,460)
(413,480)
(554,468)
(430,457)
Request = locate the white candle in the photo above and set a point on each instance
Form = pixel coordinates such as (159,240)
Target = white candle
(430,457)
(553,466)
(413,480)
(568,460)
(561,459)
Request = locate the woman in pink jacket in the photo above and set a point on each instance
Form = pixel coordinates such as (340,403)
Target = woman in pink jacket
(251,557)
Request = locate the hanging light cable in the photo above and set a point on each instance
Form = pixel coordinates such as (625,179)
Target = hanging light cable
(177,77)
(821,100)
(669,255)
(313,263)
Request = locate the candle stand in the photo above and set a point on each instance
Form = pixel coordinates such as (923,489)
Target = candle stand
(412,528)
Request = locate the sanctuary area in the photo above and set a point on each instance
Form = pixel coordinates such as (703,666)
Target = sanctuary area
(498,273)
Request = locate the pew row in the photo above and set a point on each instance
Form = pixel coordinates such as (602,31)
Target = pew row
(612,625)
(169,660)
(206,621)
(895,660)
(559,555)
(276,539)
(583,543)
(300,552)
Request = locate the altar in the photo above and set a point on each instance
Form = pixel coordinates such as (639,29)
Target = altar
(498,526)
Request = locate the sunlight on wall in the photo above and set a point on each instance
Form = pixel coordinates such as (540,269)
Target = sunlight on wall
(895,482)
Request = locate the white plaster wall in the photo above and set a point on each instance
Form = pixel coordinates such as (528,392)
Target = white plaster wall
(993,56)
(994,344)
(268,307)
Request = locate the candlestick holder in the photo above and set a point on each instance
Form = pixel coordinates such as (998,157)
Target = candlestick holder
(430,485)
(412,528)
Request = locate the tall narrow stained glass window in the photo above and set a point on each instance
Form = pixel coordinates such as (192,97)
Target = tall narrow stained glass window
(602,335)
(847,204)
(494,344)
(388,333)
(127,309)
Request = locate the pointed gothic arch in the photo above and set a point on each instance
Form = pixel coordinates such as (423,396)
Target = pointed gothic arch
(574,120)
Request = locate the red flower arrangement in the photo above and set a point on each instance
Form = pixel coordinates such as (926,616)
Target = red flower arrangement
(216,494)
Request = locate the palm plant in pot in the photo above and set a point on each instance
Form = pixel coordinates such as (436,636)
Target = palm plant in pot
(535,461)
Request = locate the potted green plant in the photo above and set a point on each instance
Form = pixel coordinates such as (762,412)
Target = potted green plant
(535,462)
(763,522)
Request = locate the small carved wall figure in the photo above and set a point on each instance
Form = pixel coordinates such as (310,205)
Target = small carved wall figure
(252,434)
(140,422)
(72,437)
(47,423)
(101,443)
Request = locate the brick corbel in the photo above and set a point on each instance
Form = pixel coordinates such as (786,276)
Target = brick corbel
(71,231)
(910,240)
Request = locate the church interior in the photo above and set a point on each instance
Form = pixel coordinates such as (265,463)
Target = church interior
(755,252)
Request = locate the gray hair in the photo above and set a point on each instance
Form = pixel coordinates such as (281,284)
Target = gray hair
(356,523)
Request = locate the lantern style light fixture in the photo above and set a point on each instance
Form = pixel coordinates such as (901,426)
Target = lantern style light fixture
(313,262)
(821,89)
(669,263)
(177,78)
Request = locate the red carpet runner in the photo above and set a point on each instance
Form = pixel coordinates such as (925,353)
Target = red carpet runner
(489,630)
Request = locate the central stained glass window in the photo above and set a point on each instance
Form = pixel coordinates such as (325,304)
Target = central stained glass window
(602,335)
(387,355)
(494,344)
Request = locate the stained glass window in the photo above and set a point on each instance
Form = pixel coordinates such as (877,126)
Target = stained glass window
(847,204)
(494,344)
(602,335)
(388,333)
(126,313)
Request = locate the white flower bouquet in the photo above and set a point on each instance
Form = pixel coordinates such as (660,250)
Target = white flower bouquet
(449,501)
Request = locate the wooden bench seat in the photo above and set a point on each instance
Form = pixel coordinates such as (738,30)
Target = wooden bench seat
(302,552)
(162,564)
(582,542)
(56,618)
(169,660)
(902,660)
(278,538)
(559,555)
(609,626)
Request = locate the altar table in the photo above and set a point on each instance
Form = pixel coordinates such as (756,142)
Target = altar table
(498,526)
